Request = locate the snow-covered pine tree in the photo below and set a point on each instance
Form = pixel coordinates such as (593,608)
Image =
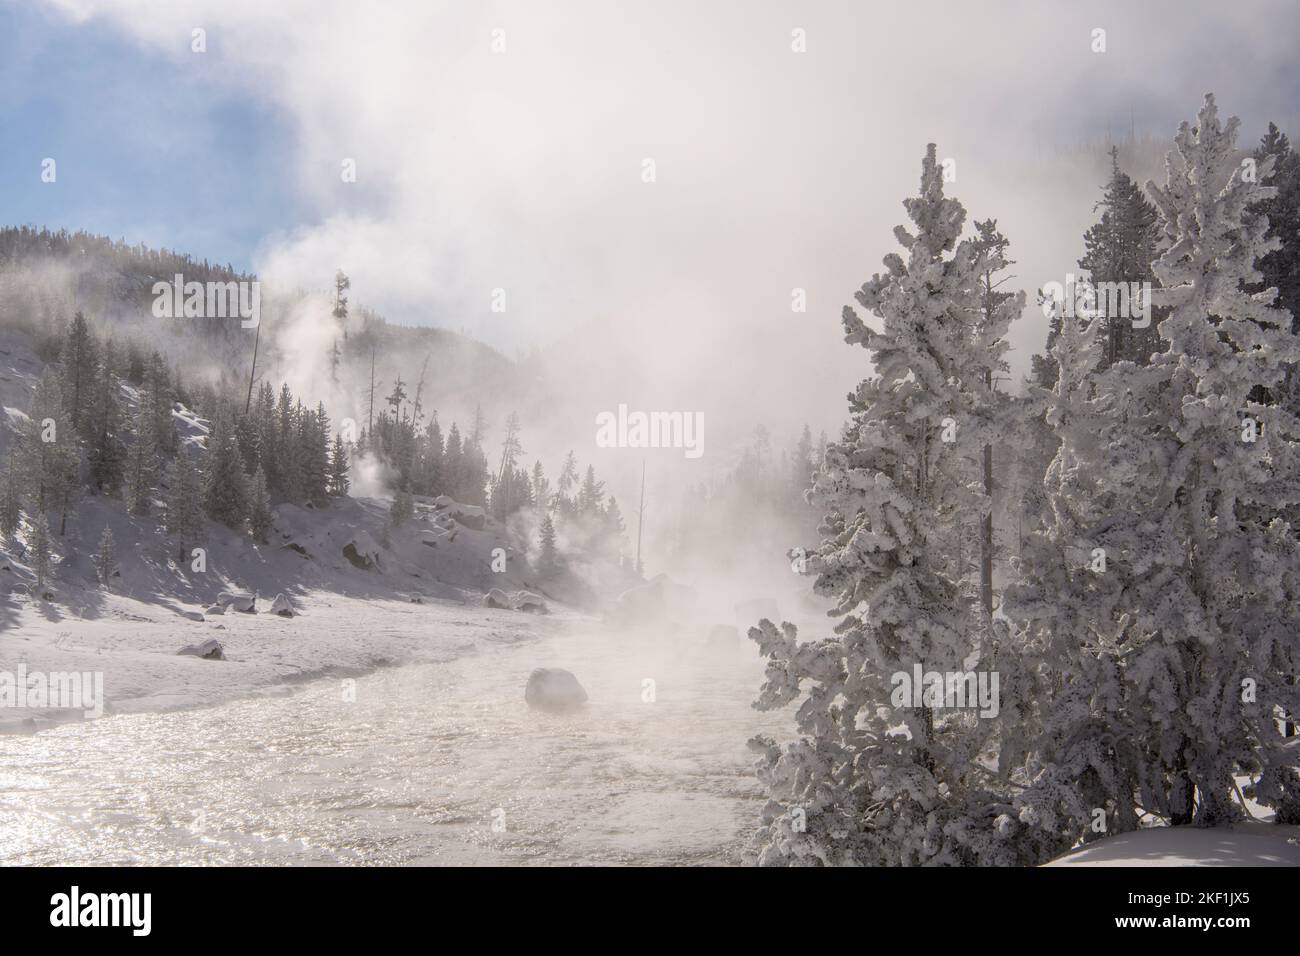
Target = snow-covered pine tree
(541,487)
(249,438)
(140,476)
(78,364)
(591,496)
(566,484)
(185,505)
(50,455)
(612,527)
(259,507)
(431,459)
(991,419)
(453,465)
(1066,740)
(156,404)
(106,557)
(10,501)
(225,483)
(266,424)
(314,453)
(474,473)
(1281,266)
(1214,597)
(864,783)
(286,445)
(106,455)
(338,476)
(401,510)
(1120,247)
(42,551)
(1186,640)
(548,559)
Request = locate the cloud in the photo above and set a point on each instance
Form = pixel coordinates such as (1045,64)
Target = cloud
(522,170)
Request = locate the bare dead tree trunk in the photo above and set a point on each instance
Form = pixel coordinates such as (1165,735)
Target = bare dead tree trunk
(370,416)
(252,370)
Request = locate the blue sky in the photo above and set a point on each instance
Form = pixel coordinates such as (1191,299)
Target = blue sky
(146,149)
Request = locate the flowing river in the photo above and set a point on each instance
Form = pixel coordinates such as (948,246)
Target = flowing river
(419,764)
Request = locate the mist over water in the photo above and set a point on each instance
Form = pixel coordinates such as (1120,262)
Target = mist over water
(413,771)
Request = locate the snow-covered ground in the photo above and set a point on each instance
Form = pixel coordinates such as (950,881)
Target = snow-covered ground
(135,646)
(1249,844)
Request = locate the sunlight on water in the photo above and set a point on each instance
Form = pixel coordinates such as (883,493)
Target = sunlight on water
(414,771)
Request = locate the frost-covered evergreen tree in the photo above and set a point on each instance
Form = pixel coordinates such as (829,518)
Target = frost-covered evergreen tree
(548,558)
(141,472)
(106,557)
(106,454)
(865,782)
(1215,598)
(566,483)
(1120,247)
(50,455)
(259,507)
(225,483)
(156,405)
(1281,266)
(10,502)
(541,487)
(401,510)
(453,464)
(338,477)
(1068,742)
(286,446)
(1174,660)
(250,444)
(432,470)
(314,454)
(185,505)
(78,366)
(991,419)
(591,496)
(266,425)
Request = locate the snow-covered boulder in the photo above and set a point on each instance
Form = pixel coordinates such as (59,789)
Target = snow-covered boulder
(216,609)
(498,599)
(281,606)
(553,689)
(529,603)
(471,516)
(362,551)
(238,602)
(192,615)
(209,650)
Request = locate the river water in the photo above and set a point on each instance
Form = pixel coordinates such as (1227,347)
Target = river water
(428,764)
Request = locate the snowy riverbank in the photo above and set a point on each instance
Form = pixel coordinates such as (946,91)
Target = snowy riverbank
(134,645)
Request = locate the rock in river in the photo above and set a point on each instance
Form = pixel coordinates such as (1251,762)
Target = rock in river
(554,689)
